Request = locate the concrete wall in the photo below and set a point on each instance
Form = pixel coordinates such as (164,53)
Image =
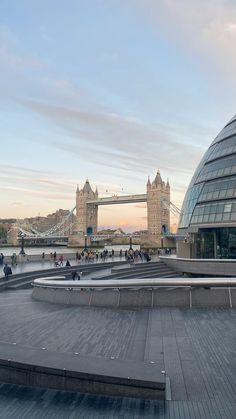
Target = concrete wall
(183,249)
(208,267)
(140,298)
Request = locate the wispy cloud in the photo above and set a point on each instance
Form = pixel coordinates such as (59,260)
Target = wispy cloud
(32,192)
(39,184)
(207,27)
(116,141)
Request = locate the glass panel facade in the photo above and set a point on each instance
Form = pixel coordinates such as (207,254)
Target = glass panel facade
(190,201)
(209,206)
(219,189)
(224,148)
(214,212)
(218,168)
(226,132)
(205,245)
(217,243)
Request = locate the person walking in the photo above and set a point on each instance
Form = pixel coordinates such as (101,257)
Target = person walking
(7,271)
(13,259)
(61,258)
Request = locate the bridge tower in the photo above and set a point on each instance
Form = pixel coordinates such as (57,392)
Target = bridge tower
(86,214)
(158,216)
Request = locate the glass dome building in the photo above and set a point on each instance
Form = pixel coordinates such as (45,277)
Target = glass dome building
(208,215)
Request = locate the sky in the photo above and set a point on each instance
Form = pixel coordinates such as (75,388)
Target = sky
(109,90)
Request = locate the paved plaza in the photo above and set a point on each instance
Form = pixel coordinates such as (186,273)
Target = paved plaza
(196,348)
(38,265)
(47,264)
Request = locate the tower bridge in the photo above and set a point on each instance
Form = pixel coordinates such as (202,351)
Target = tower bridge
(157,197)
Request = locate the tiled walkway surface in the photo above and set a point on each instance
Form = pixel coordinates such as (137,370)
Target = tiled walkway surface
(196,347)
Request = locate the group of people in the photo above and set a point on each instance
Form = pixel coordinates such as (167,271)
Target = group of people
(86,256)
(137,255)
(90,256)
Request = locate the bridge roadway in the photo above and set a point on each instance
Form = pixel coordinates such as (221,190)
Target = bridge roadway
(115,199)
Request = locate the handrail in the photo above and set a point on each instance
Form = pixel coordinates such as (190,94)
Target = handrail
(137,283)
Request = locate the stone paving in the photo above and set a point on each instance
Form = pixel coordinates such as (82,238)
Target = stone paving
(42,265)
(30,266)
(196,347)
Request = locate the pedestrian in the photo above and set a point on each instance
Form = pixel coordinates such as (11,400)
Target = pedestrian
(74,275)
(7,271)
(15,258)
(43,255)
(55,256)
(80,277)
(1,258)
(67,263)
(61,258)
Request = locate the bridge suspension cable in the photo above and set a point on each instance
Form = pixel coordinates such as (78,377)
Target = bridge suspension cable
(171,207)
(57,228)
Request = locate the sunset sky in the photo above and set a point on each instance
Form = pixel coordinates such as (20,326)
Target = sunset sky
(109,90)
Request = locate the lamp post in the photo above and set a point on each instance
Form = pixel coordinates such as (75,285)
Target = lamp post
(85,243)
(130,243)
(22,252)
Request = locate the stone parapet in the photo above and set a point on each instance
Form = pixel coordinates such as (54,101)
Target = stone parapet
(207,267)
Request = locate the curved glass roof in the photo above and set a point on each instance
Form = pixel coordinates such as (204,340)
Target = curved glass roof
(211,195)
